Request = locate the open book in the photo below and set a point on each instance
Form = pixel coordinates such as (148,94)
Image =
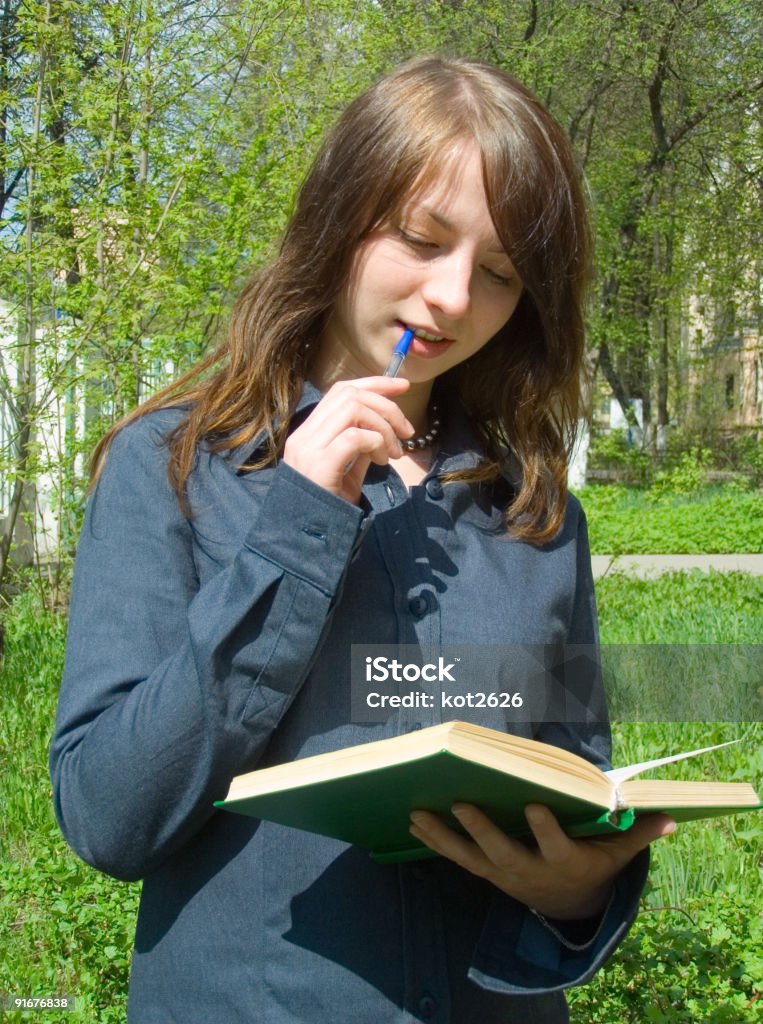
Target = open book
(364,794)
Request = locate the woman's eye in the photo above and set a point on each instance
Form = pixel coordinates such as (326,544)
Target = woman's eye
(497,278)
(415,241)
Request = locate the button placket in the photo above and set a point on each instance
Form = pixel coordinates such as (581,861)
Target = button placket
(426,978)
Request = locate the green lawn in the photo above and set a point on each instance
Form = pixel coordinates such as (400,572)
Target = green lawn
(632,520)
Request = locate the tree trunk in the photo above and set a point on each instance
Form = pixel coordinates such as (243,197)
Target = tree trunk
(25,409)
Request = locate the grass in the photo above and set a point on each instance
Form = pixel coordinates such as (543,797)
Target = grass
(681,608)
(694,954)
(709,520)
(687,960)
(64,928)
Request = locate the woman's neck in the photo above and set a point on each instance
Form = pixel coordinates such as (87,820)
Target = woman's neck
(415,403)
(414,466)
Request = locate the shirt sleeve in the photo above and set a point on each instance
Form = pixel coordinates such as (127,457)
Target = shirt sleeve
(171,688)
(519,951)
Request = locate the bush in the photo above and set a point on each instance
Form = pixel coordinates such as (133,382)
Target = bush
(682,965)
(740,453)
(689,454)
(614,450)
(686,477)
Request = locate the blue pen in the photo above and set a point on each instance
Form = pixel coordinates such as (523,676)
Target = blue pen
(399,353)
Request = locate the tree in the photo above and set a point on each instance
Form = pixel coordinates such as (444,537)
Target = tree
(133,186)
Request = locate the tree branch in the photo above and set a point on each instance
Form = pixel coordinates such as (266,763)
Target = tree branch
(532,23)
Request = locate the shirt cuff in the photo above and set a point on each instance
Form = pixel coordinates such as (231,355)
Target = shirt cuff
(323,530)
(574,934)
(520,952)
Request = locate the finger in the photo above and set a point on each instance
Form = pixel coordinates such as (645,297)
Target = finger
(343,450)
(554,845)
(647,829)
(380,385)
(350,408)
(620,848)
(508,855)
(372,392)
(325,452)
(434,833)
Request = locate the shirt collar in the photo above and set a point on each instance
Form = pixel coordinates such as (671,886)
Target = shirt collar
(461,447)
(244,452)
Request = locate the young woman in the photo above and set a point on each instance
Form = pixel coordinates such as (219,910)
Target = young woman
(252,522)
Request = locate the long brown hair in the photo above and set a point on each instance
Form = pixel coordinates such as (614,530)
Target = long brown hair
(523,389)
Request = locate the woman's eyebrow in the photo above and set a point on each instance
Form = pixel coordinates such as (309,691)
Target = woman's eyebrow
(443,221)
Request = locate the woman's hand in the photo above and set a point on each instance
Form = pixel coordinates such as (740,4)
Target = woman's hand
(562,878)
(355,423)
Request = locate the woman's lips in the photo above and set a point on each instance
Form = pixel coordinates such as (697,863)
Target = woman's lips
(426,344)
(428,349)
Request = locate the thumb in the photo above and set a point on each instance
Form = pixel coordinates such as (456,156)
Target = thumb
(649,827)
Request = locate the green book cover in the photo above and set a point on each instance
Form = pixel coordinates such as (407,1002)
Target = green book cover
(372,808)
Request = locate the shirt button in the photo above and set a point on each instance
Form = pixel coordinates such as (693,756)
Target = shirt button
(418,606)
(427,1006)
(434,488)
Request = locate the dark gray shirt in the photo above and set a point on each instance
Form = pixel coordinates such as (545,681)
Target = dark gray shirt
(201,648)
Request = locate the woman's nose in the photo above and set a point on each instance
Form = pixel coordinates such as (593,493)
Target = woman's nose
(448,285)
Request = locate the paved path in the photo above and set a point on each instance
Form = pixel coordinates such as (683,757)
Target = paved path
(653,565)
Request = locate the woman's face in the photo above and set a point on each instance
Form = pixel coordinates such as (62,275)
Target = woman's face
(438,268)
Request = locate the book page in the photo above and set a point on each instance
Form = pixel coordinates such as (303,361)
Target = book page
(618,775)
